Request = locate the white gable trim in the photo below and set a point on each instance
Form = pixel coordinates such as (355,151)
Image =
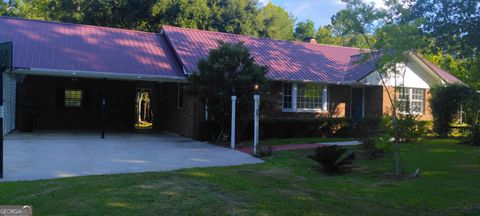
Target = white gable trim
(415,75)
(410,79)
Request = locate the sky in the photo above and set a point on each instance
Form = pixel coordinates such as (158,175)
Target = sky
(320,11)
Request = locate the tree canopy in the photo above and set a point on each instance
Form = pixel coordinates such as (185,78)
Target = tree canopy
(453,29)
(305,30)
(233,16)
(275,23)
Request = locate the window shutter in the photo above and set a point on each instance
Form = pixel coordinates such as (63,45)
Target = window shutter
(60,98)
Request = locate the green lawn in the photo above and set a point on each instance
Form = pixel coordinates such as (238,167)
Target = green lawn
(287,184)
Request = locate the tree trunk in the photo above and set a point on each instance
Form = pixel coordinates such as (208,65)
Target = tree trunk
(397,143)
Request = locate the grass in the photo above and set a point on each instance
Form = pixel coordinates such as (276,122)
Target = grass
(307,140)
(288,183)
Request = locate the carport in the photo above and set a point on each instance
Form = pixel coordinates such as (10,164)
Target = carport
(81,77)
(57,154)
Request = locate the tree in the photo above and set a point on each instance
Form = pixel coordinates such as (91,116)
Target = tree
(228,70)
(275,23)
(3,8)
(324,35)
(453,25)
(182,13)
(395,37)
(305,30)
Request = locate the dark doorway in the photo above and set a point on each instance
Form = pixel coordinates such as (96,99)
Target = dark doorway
(358,104)
(143,109)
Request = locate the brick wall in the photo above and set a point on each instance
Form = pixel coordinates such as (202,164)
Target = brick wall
(183,121)
(387,105)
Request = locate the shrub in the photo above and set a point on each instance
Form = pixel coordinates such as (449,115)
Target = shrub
(368,127)
(410,128)
(445,104)
(209,130)
(333,158)
(264,150)
(472,114)
(371,149)
(271,128)
(279,128)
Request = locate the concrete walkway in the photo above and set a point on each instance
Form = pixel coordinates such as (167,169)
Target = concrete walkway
(30,156)
(249,150)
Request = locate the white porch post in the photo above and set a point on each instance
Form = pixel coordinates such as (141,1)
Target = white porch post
(232,133)
(294,96)
(256,114)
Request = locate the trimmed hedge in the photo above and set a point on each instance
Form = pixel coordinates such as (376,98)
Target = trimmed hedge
(285,128)
(296,128)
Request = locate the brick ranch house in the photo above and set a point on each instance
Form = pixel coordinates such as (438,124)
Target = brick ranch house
(64,72)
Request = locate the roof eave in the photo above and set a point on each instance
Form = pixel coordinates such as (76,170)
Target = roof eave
(97,75)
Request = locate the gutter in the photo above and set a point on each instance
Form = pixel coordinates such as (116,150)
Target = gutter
(97,75)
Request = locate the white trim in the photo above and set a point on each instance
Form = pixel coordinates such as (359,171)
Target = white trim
(324,98)
(98,75)
(294,96)
(233,114)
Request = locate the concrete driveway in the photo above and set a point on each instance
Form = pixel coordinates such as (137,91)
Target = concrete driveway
(30,156)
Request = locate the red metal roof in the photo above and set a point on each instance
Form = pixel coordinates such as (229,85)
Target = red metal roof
(61,46)
(73,47)
(295,61)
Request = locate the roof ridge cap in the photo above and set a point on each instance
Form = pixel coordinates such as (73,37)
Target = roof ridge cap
(262,38)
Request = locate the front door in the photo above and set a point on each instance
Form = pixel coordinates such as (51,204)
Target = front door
(358,104)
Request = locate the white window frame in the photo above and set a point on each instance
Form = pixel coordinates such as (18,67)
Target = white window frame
(409,92)
(294,96)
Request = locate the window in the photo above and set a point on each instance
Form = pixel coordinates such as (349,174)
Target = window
(181,94)
(73,97)
(309,96)
(304,97)
(287,96)
(412,100)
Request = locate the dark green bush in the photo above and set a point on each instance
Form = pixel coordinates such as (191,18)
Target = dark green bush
(296,128)
(264,150)
(209,130)
(368,127)
(445,103)
(411,129)
(333,158)
(271,128)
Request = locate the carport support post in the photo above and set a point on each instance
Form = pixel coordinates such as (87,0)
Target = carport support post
(103,107)
(234,113)
(256,115)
